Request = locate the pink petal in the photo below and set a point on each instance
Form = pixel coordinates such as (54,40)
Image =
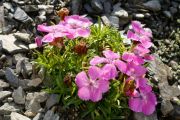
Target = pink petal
(84,93)
(140,50)
(103,85)
(135,104)
(141,82)
(148,57)
(81,79)
(48,38)
(83,32)
(109,72)
(147,32)
(59,34)
(38,41)
(133,36)
(110,54)
(96,95)
(94,72)
(145,42)
(145,89)
(98,60)
(132,57)
(121,66)
(44,28)
(137,26)
(149,103)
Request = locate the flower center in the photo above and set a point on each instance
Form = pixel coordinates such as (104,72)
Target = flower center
(93,83)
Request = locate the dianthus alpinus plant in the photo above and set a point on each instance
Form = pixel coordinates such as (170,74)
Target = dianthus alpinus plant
(93,71)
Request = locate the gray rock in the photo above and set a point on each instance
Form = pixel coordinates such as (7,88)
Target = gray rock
(21,15)
(8,108)
(173,10)
(11,77)
(88,8)
(139,16)
(168,92)
(25,37)
(3,84)
(8,6)
(105,20)
(4,94)
(117,6)
(166,107)
(24,66)
(33,46)
(97,6)
(17,57)
(35,82)
(141,116)
(173,64)
(51,116)
(114,21)
(9,99)
(11,45)
(167,14)
(30,8)
(14,81)
(153,5)
(2,23)
(176,112)
(107,6)
(52,100)
(76,6)
(1,45)
(39,116)
(160,71)
(17,116)
(33,101)
(19,96)
(120,12)
(48,8)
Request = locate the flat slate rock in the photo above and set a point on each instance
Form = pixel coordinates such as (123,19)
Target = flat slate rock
(11,45)
(8,108)
(3,84)
(17,116)
(4,94)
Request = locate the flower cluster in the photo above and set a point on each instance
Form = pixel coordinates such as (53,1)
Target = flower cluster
(71,27)
(130,64)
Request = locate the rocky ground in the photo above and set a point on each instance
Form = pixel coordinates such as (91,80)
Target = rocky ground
(21,97)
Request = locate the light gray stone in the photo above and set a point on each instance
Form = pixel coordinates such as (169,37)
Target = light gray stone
(97,6)
(153,5)
(166,107)
(141,116)
(3,84)
(167,14)
(21,15)
(52,100)
(11,77)
(4,94)
(51,116)
(114,21)
(25,37)
(120,12)
(8,108)
(35,82)
(105,20)
(17,116)
(11,45)
(39,116)
(19,96)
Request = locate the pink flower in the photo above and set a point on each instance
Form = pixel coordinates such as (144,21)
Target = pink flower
(109,59)
(76,21)
(131,69)
(143,101)
(93,87)
(140,34)
(54,31)
(138,28)
(128,57)
(38,41)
